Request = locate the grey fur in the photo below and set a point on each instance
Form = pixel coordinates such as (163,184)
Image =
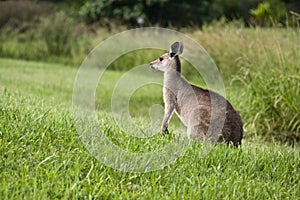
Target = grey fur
(207,115)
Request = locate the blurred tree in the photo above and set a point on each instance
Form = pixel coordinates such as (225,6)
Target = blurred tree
(164,12)
(293,5)
(175,12)
(232,9)
(270,12)
(185,13)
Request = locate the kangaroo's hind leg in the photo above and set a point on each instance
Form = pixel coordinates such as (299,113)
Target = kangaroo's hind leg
(199,121)
(196,132)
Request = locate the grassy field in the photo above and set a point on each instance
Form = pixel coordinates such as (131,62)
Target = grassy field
(42,155)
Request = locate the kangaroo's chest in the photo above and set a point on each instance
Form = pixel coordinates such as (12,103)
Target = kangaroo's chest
(171,100)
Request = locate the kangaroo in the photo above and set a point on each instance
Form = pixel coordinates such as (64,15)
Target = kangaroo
(207,115)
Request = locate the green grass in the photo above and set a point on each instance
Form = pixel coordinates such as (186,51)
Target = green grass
(43,157)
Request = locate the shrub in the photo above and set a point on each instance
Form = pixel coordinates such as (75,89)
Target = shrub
(54,38)
(13,13)
(15,43)
(57,32)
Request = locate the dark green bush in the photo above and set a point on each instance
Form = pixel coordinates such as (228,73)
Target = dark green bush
(127,11)
(92,10)
(164,12)
(178,13)
(270,13)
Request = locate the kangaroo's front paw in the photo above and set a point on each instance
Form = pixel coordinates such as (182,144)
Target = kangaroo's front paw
(165,130)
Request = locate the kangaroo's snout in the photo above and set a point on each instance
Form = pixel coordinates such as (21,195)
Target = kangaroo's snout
(152,65)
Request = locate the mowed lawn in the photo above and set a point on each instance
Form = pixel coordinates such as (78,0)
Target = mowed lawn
(42,156)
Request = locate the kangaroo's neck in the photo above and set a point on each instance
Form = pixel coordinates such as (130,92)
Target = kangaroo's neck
(172,76)
(174,70)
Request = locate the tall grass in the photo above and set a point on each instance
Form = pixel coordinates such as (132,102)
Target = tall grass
(274,104)
(264,64)
(57,32)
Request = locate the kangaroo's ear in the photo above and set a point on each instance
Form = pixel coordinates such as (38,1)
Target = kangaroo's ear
(176,49)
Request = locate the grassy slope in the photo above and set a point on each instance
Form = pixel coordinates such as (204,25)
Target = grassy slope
(41,155)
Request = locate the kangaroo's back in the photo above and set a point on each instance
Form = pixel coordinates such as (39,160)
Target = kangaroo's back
(206,112)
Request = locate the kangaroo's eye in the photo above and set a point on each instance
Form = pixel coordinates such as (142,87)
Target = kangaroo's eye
(161,59)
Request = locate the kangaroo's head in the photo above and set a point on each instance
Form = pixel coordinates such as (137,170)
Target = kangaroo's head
(170,60)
